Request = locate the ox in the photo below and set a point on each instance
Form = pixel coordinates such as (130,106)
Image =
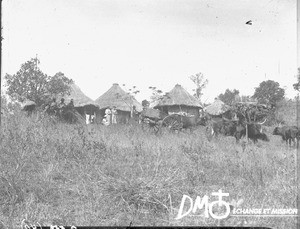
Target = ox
(224,126)
(254,132)
(288,133)
(238,129)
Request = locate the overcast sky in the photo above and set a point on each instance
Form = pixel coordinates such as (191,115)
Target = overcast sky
(154,42)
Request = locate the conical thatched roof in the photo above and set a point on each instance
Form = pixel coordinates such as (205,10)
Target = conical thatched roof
(217,108)
(79,98)
(178,96)
(117,97)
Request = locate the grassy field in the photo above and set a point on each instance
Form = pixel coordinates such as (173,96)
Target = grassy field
(95,175)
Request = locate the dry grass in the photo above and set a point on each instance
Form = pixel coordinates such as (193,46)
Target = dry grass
(117,175)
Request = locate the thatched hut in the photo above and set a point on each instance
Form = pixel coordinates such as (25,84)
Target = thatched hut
(122,101)
(28,105)
(178,100)
(83,104)
(217,108)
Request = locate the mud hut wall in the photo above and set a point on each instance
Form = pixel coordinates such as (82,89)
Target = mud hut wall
(99,115)
(87,110)
(90,109)
(123,117)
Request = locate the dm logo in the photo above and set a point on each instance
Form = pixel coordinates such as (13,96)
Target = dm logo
(208,207)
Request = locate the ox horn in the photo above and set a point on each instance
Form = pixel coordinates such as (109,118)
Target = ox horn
(261,123)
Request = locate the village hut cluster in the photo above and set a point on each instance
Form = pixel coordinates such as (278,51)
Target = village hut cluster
(117,106)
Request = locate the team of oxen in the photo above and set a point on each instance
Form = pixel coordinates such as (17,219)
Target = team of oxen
(253,131)
(239,128)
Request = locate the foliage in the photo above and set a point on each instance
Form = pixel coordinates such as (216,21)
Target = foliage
(286,112)
(30,83)
(130,93)
(246,98)
(200,83)
(251,112)
(230,96)
(269,92)
(8,106)
(157,95)
(58,84)
(3,104)
(297,85)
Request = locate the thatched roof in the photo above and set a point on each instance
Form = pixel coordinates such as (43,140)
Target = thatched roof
(217,108)
(178,96)
(117,97)
(79,98)
(26,104)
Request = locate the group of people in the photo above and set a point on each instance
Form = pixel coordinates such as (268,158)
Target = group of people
(110,116)
(53,107)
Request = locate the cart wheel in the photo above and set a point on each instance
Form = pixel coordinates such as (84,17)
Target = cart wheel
(172,122)
(150,127)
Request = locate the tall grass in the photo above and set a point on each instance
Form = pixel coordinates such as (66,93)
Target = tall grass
(54,173)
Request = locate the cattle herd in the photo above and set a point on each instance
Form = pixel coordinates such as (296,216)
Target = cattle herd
(253,131)
(238,126)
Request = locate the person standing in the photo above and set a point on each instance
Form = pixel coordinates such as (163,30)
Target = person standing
(134,113)
(108,116)
(114,114)
(61,107)
(52,107)
(62,104)
(71,104)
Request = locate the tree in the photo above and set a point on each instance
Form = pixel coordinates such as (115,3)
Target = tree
(229,97)
(157,95)
(297,85)
(269,93)
(200,83)
(130,93)
(246,98)
(30,83)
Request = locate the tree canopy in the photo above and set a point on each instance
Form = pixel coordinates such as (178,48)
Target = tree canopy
(157,95)
(230,96)
(269,92)
(297,85)
(30,83)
